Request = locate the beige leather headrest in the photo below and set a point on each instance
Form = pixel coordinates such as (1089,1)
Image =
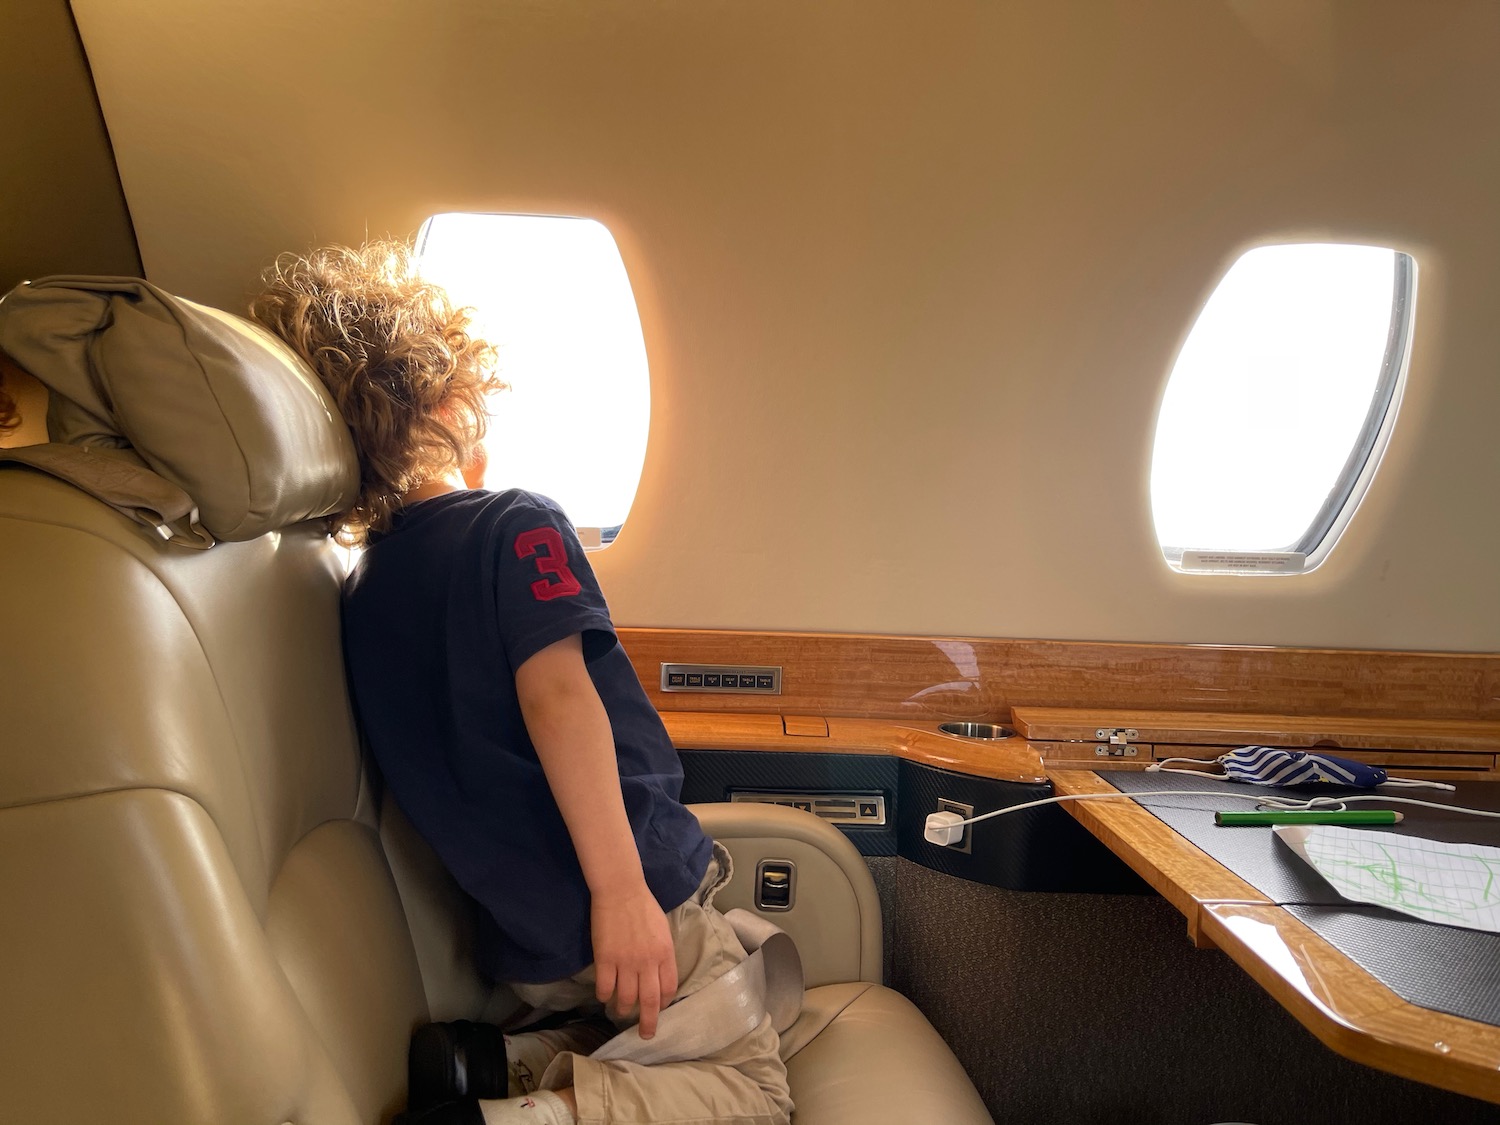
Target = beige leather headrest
(211,402)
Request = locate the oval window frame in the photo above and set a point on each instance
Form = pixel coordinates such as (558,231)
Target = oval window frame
(1313,546)
(593,537)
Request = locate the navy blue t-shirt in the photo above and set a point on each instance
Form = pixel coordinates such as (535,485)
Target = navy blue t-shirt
(438,614)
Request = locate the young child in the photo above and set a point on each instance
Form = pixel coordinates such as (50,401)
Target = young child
(505,717)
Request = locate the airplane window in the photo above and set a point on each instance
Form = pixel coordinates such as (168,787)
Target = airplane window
(552,294)
(1279,407)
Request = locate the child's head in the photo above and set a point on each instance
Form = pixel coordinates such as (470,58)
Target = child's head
(23,405)
(397,357)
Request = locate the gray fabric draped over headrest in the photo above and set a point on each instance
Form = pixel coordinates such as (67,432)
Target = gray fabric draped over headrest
(186,418)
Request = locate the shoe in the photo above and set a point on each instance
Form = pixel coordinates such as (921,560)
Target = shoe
(448,1113)
(448,1062)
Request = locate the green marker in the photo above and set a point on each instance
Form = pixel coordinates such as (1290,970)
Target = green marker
(1308,816)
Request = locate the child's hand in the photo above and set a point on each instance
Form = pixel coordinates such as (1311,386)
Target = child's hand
(633,956)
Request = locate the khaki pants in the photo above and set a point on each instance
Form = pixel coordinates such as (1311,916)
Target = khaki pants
(744,1084)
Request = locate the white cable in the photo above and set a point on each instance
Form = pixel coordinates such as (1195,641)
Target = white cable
(1333,804)
(1413,783)
(1098,796)
(1162,767)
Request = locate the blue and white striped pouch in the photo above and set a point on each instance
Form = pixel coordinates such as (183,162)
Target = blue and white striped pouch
(1267,765)
(1270,765)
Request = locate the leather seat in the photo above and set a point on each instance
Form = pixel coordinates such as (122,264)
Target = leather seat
(859,1052)
(200,917)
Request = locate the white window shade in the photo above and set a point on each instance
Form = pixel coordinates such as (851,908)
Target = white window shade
(552,295)
(1279,406)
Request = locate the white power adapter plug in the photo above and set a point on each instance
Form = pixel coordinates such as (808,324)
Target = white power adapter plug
(944,829)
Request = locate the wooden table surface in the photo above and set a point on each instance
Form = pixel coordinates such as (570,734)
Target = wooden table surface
(1339,1002)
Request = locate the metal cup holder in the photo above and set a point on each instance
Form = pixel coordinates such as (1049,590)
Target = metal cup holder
(977,730)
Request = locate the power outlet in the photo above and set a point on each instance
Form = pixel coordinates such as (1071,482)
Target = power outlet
(966,841)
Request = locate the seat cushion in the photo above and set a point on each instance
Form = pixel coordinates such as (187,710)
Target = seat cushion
(861,1053)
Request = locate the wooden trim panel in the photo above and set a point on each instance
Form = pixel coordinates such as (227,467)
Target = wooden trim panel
(887,695)
(1351,1011)
(930,679)
(1430,764)
(804,726)
(1184,875)
(1068,738)
(1188,728)
(1008,759)
(1339,1002)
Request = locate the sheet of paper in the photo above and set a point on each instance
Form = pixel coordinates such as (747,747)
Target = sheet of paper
(1453,884)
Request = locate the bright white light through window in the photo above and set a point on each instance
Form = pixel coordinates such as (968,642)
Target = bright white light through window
(1279,405)
(552,295)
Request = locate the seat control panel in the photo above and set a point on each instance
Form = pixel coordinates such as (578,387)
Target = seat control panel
(847,810)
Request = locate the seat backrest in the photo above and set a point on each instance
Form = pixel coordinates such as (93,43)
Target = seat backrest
(199,923)
(444,925)
(198,918)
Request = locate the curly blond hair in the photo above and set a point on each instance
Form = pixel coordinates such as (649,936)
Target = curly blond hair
(409,377)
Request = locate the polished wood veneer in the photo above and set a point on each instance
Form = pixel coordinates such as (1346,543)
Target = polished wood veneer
(1183,874)
(1008,759)
(931,679)
(1305,730)
(1435,748)
(1348,1009)
(887,695)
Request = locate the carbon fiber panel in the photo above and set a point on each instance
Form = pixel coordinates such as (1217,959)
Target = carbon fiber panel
(1254,854)
(1439,967)
(1041,849)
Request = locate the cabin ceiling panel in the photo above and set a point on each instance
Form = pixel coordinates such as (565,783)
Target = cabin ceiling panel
(911,276)
(61,210)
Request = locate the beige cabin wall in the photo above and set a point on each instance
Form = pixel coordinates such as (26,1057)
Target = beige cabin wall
(912,275)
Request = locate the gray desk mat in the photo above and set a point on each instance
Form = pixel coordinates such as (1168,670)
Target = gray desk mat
(1443,968)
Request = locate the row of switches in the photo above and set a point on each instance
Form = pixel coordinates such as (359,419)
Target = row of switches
(719,680)
(721,677)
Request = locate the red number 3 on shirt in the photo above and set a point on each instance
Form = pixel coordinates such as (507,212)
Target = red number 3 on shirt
(551,562)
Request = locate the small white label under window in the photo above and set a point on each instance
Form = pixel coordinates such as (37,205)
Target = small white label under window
(1245,562)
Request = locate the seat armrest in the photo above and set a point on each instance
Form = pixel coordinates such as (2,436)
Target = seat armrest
(835,912)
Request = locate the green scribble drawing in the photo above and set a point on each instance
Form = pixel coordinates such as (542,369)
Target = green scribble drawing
(1452,884)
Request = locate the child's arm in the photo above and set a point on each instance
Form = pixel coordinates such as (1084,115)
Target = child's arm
(568,725)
